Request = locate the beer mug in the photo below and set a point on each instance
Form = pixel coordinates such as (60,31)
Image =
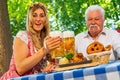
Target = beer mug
(57,52)
(69,42)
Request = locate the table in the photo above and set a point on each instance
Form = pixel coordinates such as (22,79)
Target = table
(109,71)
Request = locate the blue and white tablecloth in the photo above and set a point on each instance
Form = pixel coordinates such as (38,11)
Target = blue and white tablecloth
(109,71)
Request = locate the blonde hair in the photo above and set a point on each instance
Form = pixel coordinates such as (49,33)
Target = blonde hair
(36,38)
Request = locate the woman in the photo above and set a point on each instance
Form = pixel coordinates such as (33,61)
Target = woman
(30,47)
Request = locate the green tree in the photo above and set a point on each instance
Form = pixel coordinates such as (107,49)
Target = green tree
(63,14)
(17,12)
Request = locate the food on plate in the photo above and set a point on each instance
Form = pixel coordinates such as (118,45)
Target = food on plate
(72,58)
(66,58)
(95,47)
(63,60)
(69,55)
(78,57)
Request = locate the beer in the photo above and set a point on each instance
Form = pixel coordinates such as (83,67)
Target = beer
(69,42)
(57,52)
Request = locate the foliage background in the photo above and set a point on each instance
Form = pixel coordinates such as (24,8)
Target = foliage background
(63,14)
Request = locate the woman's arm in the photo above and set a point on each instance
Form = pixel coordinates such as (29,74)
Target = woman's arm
(22,62)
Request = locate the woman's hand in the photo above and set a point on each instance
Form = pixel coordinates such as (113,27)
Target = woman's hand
(49,68)
(52,42)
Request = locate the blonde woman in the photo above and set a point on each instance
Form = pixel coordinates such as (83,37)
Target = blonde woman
(29,50)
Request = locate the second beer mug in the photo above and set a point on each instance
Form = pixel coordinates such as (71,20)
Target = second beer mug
(69,42)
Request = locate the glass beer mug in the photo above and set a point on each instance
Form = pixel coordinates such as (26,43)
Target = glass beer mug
(69,42)
(57,52)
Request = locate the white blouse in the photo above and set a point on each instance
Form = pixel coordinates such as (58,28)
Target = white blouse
(23,36)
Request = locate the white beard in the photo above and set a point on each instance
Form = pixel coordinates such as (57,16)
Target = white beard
(94,30)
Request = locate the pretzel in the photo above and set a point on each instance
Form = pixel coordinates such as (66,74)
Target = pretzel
(95,47)
(108,48)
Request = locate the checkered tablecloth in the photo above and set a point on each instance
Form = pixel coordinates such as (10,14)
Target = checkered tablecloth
(109,71)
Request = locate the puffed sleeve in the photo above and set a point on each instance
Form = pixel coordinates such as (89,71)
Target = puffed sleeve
(23,36)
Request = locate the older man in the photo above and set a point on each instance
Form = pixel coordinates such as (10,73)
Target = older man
(94,16)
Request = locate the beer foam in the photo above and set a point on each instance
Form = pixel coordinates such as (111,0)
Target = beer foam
(56,33)
(67,34)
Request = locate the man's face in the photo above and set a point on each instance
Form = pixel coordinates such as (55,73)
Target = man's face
(95,22)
